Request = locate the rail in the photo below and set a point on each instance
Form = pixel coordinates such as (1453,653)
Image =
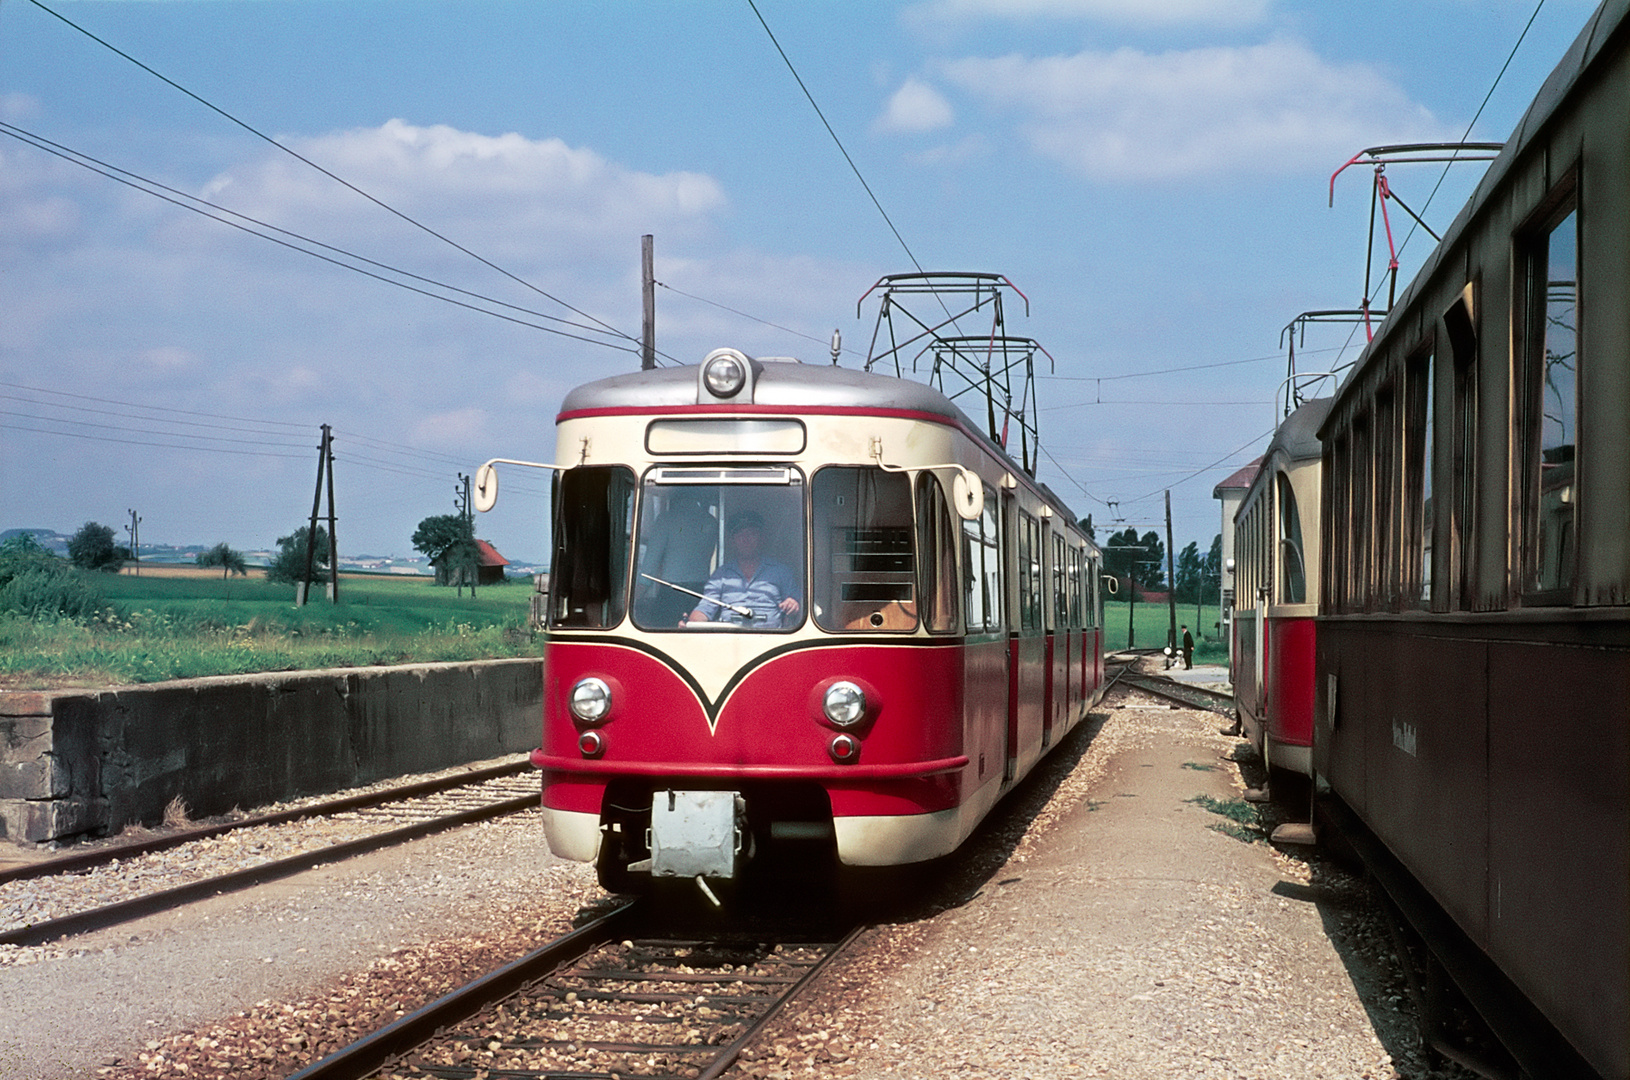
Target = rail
(601,1001)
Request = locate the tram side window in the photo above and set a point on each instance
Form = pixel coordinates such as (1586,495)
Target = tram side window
(982,569)
(1550,407)
(936,556)
(1292,568)
(1029,572)
(594,511)
(1462,526)
(1061,596)
(866,574)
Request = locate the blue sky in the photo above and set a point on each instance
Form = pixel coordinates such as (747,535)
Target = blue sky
(1153,176)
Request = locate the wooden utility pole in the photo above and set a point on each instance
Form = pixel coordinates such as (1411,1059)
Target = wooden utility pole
(648,325)
(325,468)
(1171,584)
(333,539)
(134,529)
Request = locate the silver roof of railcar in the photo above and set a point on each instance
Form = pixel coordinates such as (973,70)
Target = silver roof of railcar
(779,383)
(1297,436)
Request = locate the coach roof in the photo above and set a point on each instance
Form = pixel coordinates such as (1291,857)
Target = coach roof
(1298,433)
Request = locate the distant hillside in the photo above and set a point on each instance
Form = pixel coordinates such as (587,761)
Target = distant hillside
(49,539)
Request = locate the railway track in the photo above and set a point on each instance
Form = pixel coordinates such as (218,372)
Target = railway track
(1185,694)
(605,1002)
(85,891)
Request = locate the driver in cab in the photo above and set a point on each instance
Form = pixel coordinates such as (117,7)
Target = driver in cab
(748,583)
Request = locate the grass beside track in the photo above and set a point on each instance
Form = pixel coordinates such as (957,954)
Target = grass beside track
(183,626)
(1152,622)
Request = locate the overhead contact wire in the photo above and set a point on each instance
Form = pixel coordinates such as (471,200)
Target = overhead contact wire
(337,179)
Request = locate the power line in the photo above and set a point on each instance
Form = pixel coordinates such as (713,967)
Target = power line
(745,315)
(1172,371)
(337,179)
(856,169)
(74,158)
(140,442)
(1241,449)
(111,412)
(1154,404)
(1415,223)
(152,408)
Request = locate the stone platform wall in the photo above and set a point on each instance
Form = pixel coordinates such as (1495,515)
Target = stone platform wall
(81,762)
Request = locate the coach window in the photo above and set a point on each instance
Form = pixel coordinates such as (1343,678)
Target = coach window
(865,570)
(982,569)
(1337,524)
(1416,553)
(1385,487)
(936,556)
(1549,420)
(594,510)
(1461,530)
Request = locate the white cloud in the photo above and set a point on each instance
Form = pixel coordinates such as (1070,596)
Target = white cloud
(450,429)
(1122,12)
(1128,115)
(15,107)
(915,107)
(500,193)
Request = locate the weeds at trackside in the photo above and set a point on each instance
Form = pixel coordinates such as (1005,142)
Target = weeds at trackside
(1243,823)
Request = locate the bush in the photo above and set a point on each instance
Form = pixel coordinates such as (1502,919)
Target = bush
(92,548)
(35,584)
(289,564)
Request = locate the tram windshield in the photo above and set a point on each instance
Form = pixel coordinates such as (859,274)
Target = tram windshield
(720,549)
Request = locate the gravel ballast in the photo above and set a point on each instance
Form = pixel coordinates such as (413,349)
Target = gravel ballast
(1104,922)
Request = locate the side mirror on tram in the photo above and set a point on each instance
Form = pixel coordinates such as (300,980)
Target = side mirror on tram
(969,495)
(1112,584)
(485,495)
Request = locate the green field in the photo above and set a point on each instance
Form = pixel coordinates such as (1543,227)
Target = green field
(1152,621)
(175,623)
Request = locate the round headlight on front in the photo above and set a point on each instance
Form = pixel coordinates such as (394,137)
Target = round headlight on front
(844,704)
(591,700)
(725,375)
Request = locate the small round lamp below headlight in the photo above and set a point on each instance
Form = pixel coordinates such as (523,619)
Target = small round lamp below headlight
(591,700)
(725,375)
(591,744)
(844,704)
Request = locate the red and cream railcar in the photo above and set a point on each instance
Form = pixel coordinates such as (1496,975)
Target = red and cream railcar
(1276,554)
(916,622)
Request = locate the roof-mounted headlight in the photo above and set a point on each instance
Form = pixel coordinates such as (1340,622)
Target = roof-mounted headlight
(725,374)
(590,700)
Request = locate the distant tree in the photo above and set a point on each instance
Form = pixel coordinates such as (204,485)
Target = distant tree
(1212,571)
(1121,552)
(1190,573)
(230,562)
(92,548)
(448,541)
(289,564)
(1151,566)
(1086,527)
